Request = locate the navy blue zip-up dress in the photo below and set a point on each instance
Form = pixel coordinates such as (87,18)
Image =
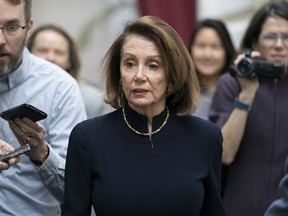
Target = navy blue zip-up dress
(176,172)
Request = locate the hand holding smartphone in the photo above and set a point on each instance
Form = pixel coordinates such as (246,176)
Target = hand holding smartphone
(24,110)
(14,153)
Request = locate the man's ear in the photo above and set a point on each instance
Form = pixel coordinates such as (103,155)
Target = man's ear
(29,28)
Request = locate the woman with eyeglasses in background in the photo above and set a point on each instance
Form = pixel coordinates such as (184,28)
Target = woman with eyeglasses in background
(252,112)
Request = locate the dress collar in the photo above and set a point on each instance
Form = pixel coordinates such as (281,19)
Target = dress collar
(140,122)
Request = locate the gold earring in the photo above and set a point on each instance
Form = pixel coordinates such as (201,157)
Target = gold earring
(169,88)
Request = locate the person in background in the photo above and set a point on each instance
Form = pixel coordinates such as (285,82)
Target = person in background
(212,52)
(280,206)
(34,185)
(149,156)
(54,44)
(251,108)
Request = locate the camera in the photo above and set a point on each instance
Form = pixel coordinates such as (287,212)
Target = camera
(253,67)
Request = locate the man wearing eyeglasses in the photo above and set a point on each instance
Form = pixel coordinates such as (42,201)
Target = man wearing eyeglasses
(253,115)
(33,184)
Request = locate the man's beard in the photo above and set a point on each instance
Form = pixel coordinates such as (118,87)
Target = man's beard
(13,60)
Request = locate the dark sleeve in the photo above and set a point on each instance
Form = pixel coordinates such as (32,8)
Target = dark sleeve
(280,207)
(212,203)
(222,103)
(77,176)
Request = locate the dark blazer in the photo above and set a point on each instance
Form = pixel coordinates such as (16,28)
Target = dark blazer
(280,207)
(176,172)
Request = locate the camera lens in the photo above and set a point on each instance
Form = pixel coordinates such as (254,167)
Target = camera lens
(245,68)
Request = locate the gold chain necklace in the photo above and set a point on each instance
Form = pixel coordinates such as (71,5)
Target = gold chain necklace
(145,134)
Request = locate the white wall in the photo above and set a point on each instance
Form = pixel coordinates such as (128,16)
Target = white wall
(235,13)
(74,15)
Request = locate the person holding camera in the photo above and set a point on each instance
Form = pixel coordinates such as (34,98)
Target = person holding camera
(250,106)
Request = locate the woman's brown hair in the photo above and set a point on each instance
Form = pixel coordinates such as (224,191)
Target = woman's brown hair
(74,58)
(184,86)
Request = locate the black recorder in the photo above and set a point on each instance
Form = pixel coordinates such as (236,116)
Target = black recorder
(22,111)
(254,67)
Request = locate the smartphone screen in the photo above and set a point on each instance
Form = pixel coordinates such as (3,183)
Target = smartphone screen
(22,111)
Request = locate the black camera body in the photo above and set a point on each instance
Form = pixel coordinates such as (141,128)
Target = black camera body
(251,68)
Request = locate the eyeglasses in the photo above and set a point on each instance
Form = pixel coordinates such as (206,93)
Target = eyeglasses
(270,39)
(12,30)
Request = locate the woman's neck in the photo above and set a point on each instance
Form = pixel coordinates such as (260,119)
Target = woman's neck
(210,83)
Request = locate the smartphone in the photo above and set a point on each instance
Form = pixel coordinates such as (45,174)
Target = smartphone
(24,110)
(14,153)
